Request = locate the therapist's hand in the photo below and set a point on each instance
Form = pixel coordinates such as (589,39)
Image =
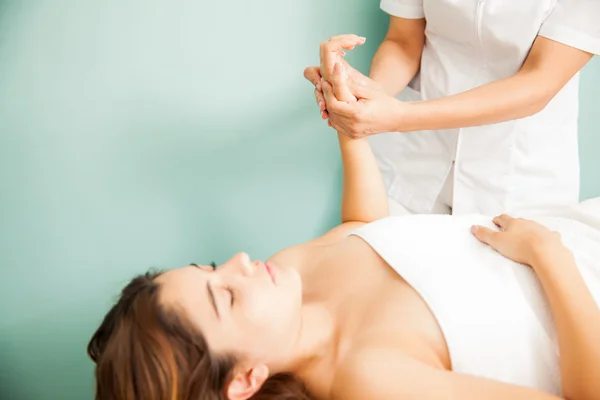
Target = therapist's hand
(521,240)
(313,74)
(374,112)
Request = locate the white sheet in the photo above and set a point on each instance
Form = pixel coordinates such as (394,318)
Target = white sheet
(586,212)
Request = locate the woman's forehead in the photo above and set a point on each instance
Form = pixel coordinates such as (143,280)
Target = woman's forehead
(186,288)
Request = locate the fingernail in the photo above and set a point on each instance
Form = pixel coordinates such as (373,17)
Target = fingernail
(474,229)
(319,87)
(362,38)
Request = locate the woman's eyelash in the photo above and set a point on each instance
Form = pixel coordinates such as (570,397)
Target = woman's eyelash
(212,264)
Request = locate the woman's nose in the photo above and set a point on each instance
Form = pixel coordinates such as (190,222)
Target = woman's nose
(243,263)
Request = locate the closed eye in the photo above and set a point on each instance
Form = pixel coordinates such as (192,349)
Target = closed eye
(212,264)
(230,291)
(231,296)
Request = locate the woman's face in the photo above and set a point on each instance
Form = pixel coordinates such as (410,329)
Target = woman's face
(246,308)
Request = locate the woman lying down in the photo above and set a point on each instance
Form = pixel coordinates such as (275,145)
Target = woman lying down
(414,308)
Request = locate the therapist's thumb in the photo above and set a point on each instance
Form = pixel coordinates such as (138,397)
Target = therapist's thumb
(361,89)
(485,235)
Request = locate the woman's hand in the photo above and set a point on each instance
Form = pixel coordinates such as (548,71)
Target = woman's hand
(521,240)
(332,52)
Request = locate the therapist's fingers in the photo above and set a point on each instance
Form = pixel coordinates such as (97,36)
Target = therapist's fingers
(333,104)
(313,74)
(362,89)
(340,84)
(320,100)
(485,235)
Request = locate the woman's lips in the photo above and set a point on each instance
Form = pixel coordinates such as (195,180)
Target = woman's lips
(271,271)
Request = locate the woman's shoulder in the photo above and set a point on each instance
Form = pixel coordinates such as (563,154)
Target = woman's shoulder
(294,254)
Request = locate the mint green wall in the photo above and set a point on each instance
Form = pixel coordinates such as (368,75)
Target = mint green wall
(137,134)
(140,133)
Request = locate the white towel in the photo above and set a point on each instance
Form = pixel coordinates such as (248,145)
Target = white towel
(493,312)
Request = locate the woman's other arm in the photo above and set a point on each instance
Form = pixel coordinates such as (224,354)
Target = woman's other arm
(576,314)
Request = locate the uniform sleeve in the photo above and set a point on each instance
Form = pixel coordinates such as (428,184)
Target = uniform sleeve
(575,23)
(410,9)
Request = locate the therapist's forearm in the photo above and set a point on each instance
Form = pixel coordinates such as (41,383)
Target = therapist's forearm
(395,64)
(518,96)
(577,320)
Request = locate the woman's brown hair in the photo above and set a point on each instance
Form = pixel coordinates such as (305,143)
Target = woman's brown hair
(144,351)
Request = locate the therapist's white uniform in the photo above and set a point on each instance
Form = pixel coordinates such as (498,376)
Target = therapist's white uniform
(519,166)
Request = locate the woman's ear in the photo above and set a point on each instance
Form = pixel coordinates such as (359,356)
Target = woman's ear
(246,383)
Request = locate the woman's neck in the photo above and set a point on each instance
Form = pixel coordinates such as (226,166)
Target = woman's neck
(316,339)
(318,331)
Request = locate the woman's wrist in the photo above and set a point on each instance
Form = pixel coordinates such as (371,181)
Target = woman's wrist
(546,254)
(346,142)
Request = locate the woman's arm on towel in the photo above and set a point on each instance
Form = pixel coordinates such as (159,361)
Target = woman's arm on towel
(576,314)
